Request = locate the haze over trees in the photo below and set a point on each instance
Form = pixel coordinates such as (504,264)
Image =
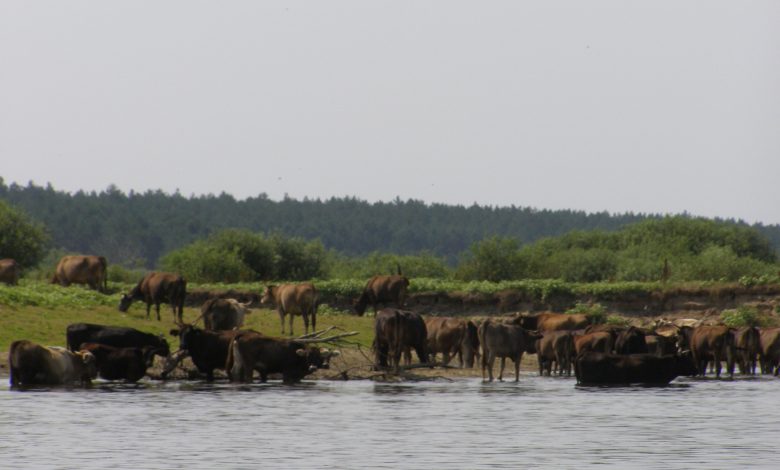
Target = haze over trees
(218,238)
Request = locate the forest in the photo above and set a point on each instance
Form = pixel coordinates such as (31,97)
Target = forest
(219,238)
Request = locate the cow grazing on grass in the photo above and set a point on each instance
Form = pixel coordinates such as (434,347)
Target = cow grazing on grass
(503,341)
(250,351)
(592,368)
(396,332)
(33,364)
(79,269)
(223,314)
(128,364)
(387,290)
(116,336)
(9,271)
(293,299)
(208,349)
(452,337)
(156,288)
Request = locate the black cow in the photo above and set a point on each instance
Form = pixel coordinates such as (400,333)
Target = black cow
(127,364)
(396,332)
(208,349)
(250,351)
(631,341)
(594,368)
(116,336)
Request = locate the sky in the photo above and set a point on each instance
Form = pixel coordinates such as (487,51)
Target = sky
(644,106)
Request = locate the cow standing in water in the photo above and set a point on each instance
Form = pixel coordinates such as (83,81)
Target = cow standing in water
(156,288)
(90,270)
(293,299)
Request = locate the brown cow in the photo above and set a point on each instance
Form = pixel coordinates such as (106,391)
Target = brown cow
(552,321)
(557,347)
(78,269)
(293,299)
(659,345)
(504,341)
(631,340)
(712,343)
(450,336)
(33,364)
(770,350)
(9,271)
(383,290)
(208,349)
(396,332)
(156,288)
(250,351)
(747,342)
(223,314)
(600,341)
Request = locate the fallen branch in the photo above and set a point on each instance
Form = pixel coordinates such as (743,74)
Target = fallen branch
(315,334)
(173,361)
(329,339)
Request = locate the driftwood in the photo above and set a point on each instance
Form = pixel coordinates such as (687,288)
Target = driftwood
(173,361)
(329,339)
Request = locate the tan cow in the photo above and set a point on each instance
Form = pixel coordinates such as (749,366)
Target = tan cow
(552,321)
(712,343)
(156,288)
(600,341)
(293,299)
(79,269)
(452,336)
(769,353)
(383,290)
(557,347)
(9,271)
(33,364)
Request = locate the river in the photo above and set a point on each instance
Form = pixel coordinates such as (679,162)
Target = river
(464,423)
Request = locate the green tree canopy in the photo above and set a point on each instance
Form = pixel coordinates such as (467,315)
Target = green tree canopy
(21,238)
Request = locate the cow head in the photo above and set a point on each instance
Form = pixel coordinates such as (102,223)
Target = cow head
(124,302)
(317,358)
(187,335)
(90,365)
(268,295)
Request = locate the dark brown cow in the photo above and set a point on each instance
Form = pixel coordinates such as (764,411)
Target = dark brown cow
(600,341)
(293,299)
(594,368)
(770,350)
(79,269)
(383,290)
(631,340)
(128,364)
(659,345)
(251,351)
(9,271)
(208,349)
(504,341)
(713,343)
(396,332)
(223,314)
(552,321)
(555,347)
(450,336)
(33,364)
(156,288)
(747,342)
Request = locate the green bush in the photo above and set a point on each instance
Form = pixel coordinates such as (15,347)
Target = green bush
(596,313)
(423,265)
(21,238)
(493,259)
(204,262)
(745,316)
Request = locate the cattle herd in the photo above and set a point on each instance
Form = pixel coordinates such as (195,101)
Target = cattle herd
(597,353)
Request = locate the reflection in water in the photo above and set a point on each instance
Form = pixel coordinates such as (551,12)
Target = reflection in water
(538,422)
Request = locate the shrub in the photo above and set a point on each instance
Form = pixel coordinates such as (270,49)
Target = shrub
(493,259)
(21,238)
(745,316)
(596,313)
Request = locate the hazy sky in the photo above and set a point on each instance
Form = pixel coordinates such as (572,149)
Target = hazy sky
(645,106)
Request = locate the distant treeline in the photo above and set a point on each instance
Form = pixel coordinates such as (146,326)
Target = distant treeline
(138,229)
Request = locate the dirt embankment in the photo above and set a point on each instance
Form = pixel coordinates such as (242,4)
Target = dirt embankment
(632,304)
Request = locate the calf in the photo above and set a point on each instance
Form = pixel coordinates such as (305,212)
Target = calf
(451,336)
(33,364)
(555,347)
(223,314)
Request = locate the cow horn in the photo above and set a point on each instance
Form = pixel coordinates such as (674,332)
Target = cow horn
(300,352)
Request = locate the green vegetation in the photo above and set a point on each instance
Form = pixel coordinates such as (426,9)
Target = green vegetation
(20,237)
(747,316)
(596,313)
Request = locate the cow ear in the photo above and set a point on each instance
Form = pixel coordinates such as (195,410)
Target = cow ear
(301,352)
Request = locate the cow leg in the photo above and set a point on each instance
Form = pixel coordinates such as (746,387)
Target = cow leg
(501,370)
(281,319)
(517,367)
(157,308)
(305,324)
(717,365)
(491,360)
